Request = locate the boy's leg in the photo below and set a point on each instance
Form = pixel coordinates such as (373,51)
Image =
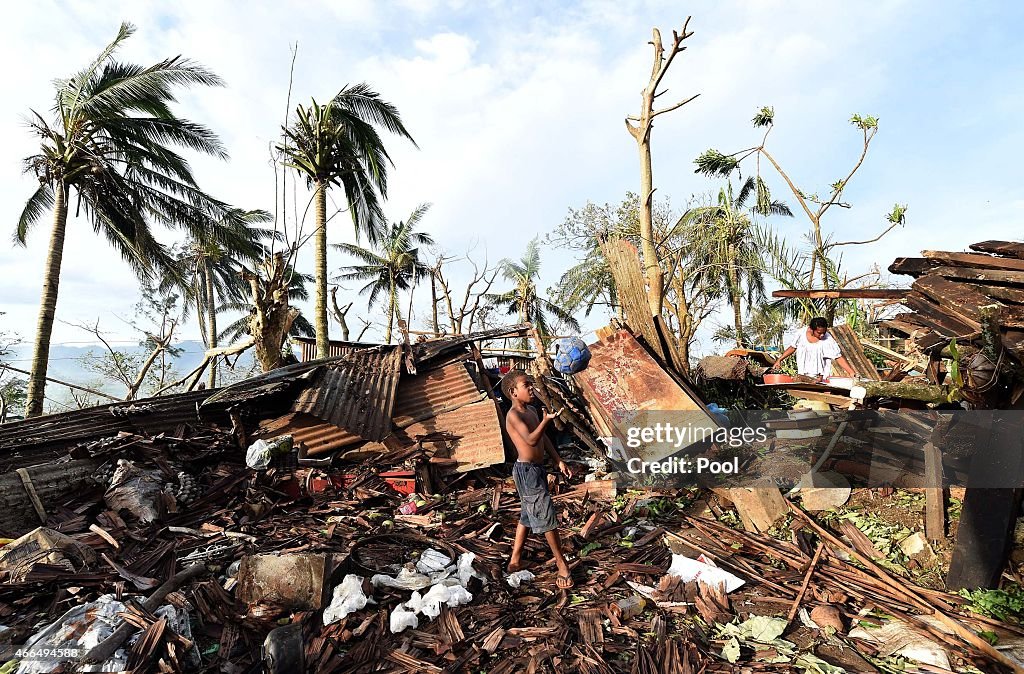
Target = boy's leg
(514,563)
(564,581)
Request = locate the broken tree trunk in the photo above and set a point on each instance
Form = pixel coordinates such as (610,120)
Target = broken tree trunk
(929,393)
(272,316)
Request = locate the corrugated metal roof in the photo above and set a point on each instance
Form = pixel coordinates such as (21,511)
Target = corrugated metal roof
(59,431)
(472,434)
(356,393)
(318,436)
(431,392)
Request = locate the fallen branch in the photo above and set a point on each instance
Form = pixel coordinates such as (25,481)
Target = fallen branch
(102,651)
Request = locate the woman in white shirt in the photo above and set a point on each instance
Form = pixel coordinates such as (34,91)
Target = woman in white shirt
(815,350)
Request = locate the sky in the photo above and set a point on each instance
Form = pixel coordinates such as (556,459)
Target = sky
(518,108)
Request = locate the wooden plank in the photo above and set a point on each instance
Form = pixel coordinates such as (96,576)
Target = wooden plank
(759,507)
(935,503)
(830,398)
(1007,248)
(911,266)
(953,259)
(933,315)
(959,299)
(850,346)
(846,293)
(624,262)
(980,275)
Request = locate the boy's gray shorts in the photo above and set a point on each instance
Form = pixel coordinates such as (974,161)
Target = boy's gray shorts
(532,484)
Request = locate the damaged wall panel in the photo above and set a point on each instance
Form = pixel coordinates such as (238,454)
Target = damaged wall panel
(625,385)
(357,393)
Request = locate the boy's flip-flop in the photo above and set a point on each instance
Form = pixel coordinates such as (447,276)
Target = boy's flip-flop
(564,583)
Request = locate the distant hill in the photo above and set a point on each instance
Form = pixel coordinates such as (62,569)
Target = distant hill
(66,362)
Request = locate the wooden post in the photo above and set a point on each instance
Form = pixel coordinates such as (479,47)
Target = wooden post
(935,502)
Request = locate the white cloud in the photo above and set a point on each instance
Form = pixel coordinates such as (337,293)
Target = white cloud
(519,115)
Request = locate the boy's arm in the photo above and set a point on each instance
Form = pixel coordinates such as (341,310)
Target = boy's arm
(515,422)
(555,458)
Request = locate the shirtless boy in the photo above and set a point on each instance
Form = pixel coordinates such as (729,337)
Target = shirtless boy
(527,434)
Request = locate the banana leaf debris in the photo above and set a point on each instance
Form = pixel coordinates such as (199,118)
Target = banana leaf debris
(374,538)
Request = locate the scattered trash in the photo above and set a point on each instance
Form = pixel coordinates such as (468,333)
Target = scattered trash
(402,619)
(898,638)
(291,582)
(262,452)
(692,570)
(517,578)
(349,596)
(43,546)
(136,491)
(630,607)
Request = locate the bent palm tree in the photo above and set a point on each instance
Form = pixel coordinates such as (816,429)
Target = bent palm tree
(723,249)
(213,268)
(337,144)
(394,265)
(523,300)
(110,143)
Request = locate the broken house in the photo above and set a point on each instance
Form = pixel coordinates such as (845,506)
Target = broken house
(376,540)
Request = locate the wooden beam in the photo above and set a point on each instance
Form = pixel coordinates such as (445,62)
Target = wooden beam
(979,260)
(980,275)
(931,314)
(959,299)
(1007,248)
(846,293)
(935,502)
(985,532)
(850,346)
(911,266)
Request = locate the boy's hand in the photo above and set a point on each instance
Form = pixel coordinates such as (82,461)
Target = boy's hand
(565,470)
(548,416)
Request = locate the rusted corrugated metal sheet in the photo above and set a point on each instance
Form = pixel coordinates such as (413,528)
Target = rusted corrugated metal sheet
(59,431)
(356,393)
(429,393)
(444,408)
(470,434)
(318,436)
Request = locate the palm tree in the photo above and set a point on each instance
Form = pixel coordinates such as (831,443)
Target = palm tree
(394,265)
(522,300)
(337,144)
(214,266)
(110,143)
(721,239)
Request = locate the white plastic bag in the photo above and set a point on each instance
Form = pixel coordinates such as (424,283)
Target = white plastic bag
(401,619)
(466,570)
(258,455)
(446,593)
(348,598)
(519,577)
(432,561)
(690,570)
(405,580)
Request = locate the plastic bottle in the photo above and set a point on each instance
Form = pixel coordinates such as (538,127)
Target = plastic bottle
(630,607)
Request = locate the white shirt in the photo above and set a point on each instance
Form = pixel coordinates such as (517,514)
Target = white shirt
(813,358)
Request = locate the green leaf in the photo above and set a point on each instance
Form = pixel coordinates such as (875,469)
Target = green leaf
(764,117)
